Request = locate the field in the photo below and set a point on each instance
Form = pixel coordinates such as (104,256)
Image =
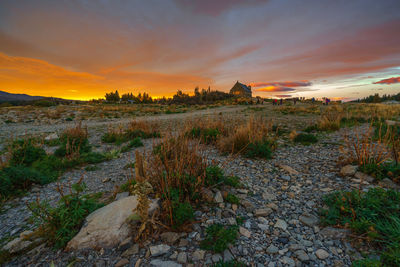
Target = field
(218,185)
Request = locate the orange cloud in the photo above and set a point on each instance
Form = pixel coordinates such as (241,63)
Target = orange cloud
(38,77)
(285,84)
(275,88)
(389,81)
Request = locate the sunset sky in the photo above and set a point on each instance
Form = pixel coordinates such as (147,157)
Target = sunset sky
(79,49)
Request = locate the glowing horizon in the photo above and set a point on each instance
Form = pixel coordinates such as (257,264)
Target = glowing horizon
(80,50)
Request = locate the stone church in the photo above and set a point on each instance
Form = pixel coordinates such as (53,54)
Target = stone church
(241,90)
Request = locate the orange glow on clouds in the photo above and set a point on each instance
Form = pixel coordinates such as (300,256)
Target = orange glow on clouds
(38,77)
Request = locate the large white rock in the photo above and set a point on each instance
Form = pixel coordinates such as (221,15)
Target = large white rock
(107,226)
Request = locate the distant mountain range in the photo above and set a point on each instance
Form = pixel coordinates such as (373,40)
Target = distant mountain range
(5,97)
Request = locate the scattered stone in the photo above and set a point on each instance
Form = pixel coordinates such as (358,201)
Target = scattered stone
(208,195)
(51,136)
(243,231)
(107,226)
(218,197)
(364,177)
(334,233)
(170,237)
(262,212)
(386,182)
(131,251)
(309,219)
(272,249)
(322,254)
(121,263)
(182,257)
(228,255)
(288,261)
(348,170)
(160,263)
(289,169)
(198,255)
(159,250)
(268,196)
(281,224)
(302,255)
(216,258)
(17,245)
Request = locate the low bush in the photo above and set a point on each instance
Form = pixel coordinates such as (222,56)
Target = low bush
(25,152)
(74,142)
(259,149)
(255,140)
(60,224)
(206,135)
(231,263)
(373,215)
(135,129)
(230,198)
(305,138)
(218,237)
(389,170)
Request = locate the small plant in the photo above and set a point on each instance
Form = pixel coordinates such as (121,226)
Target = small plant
(230,198)
(231,263)
(305,138)
(74,142)
(58,225)
(259,149)
(374,216)
(91,168)
(218,237)
(233,181)
(214,175)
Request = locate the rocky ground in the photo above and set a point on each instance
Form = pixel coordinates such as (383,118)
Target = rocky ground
(279,204)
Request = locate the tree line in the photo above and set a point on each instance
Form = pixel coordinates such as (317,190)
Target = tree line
(199,97)
(378,99)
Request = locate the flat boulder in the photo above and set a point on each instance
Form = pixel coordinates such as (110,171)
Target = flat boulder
(107,226)
(348,170)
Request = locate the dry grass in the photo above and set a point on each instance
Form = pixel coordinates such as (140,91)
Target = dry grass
(255,130)
(177,172)
(363,149)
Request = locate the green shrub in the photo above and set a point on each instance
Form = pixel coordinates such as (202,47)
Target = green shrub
(262,149)
(305,138)
(230,198)
(385,170)
(18,178)
(231,263)
(218,237)
(311,128)
(214,175)
(233,181)
(92,168)
(60,224)
(374,214)
(25,152)
(44,103)
(128,186)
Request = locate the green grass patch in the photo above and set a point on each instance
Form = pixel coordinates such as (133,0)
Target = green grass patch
(218,237)
(259,149)
(230,198)
(58,225)
(375,215)
(305,139)
(231,263)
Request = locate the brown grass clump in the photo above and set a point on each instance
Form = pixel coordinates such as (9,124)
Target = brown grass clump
(177,172)
(363,149)
(330,119)
(256,130)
